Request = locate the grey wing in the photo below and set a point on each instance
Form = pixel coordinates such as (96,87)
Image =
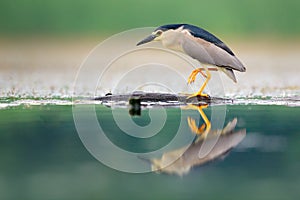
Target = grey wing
(197,51)
(207,36)
(208,53)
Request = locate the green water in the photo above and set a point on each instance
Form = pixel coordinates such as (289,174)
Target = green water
(42,157)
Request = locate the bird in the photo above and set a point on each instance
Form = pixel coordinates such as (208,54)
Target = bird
(201,45)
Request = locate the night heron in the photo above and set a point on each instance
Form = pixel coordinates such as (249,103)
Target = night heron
(200,45)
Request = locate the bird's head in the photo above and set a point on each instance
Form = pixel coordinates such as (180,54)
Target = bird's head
(163,32)
(155,36)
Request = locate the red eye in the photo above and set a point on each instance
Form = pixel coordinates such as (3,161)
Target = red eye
(158,33)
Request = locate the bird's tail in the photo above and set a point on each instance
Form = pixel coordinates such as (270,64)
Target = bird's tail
(229,73)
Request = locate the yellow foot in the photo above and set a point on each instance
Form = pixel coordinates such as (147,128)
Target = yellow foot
(194,128)
(192,77)
(198,95)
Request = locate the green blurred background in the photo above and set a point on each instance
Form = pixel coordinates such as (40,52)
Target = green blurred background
(94,17)
(41,154)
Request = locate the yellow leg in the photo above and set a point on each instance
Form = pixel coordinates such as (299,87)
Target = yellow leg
(194,73)
(192,79)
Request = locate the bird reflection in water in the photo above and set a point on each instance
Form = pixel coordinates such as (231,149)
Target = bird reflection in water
(204,129)
(225,140)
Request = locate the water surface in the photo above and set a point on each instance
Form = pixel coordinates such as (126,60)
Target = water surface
(42,157)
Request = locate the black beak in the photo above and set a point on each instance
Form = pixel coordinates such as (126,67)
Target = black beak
(146,40)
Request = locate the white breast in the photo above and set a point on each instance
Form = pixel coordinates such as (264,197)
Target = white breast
(173,40)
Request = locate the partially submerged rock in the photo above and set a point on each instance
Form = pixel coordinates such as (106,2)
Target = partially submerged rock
(159,99)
